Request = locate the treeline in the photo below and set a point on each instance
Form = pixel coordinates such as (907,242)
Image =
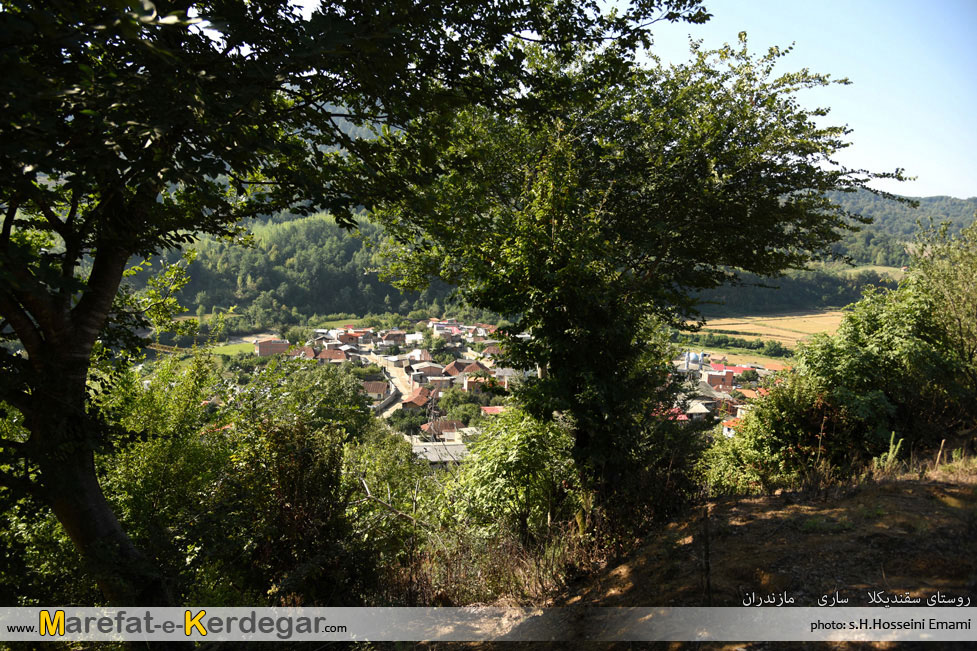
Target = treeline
(301,269)
(768,347)
(795,291)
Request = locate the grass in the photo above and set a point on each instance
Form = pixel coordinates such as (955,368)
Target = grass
(338,323)
(788,329)
(742,356)
(895,273)
(229,350)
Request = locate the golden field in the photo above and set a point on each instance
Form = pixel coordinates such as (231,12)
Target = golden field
(788,329)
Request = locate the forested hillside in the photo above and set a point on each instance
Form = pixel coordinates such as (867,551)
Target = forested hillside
(894,224)
(303,267)
(297,269)
(883,242)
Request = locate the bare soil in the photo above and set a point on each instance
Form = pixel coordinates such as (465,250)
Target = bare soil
(900,536)
(912,534)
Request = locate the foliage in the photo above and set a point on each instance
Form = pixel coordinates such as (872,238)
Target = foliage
(795,290)
(130,132)
(898,222)
(519,478)
(776,439)
(579,227)
(899,367)
(946,265)
(768,347)
(886,462)
(407,421)
(749,375)
(246,503)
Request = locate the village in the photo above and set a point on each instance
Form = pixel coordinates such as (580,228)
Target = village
(410,382)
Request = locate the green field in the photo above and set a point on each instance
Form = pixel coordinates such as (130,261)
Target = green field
(895,273)
(339,323)
(232,349)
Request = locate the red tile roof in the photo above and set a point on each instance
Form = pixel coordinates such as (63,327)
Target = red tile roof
(418,398)
(491,411)
(439,427)
(375,387)
(735,369)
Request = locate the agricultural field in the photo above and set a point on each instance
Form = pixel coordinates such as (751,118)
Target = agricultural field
(233,349)
(340,323)
(895,273)
(788,329)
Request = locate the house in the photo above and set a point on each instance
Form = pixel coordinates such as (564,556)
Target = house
(474,384)
(697,410)
(421,374)
(737,370)
(376,390)
(442,429)
(492,350)
(420,355)
(442,383)
(476,367)
(494,410)
(418,399)
(348,338)
(332,356)
(751,394)
(305,352)
(722,381)
(267,347)
(730,426)
(457,367)
(440,454)
(507,375)
(394,338)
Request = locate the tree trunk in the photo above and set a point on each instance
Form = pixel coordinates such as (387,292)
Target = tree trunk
(61,444)
(124,575)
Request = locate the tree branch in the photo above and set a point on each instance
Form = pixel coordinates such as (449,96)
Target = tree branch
(8,223)
(88,316)
(25,328)
(392,508)
(59,226)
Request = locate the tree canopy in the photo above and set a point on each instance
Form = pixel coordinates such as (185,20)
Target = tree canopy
(128,128)
(577,227)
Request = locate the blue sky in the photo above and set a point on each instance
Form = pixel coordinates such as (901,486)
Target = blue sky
(913,95)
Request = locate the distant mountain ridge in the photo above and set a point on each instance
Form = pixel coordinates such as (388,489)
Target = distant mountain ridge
(899,219)
(894,224)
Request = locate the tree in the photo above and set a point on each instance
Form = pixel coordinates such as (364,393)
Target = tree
(581,225)
(519,477)
(131,131)
(946,265)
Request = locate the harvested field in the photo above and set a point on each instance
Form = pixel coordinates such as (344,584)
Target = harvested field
(788,329)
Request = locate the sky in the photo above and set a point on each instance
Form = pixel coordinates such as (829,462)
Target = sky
(913,67)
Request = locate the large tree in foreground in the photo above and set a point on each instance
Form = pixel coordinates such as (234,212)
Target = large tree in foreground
(586,226)
(128,128)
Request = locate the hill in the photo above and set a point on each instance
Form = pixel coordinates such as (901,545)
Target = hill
(898,536)
(302,267)
(894,224)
